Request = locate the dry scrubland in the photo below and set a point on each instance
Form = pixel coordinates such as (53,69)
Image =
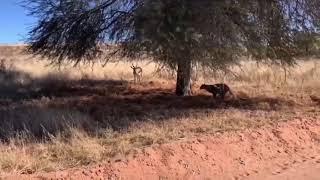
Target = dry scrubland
(52,119)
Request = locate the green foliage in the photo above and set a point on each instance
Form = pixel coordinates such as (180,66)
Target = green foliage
(308,44)
(213,33)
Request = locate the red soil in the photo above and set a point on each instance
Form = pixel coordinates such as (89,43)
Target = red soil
(288,150)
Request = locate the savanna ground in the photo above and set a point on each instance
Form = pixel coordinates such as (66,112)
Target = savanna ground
(53,119)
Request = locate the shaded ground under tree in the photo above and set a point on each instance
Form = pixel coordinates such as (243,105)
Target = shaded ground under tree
(49,107)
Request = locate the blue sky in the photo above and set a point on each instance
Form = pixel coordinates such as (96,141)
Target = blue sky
(14,23)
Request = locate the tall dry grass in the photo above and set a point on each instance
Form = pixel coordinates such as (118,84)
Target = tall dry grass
(52,119)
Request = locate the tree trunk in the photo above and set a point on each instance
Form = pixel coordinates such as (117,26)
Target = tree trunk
(183,86)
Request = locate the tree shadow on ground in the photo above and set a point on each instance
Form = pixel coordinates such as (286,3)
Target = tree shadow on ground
(92,105)
(18,86)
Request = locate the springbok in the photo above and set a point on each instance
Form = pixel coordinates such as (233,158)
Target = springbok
(137,73)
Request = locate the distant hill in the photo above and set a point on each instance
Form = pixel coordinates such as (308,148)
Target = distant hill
(10,50)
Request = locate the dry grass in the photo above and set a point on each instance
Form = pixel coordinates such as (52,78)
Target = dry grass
(53,119)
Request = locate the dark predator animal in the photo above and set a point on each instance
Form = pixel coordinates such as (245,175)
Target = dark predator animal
(217,89)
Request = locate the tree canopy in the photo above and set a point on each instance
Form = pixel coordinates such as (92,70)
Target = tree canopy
(214,33)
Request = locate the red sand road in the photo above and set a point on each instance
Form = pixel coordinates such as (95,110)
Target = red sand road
(307,171)
(288,150)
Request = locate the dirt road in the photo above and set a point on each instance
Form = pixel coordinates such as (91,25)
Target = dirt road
(288,150)
(307,171)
